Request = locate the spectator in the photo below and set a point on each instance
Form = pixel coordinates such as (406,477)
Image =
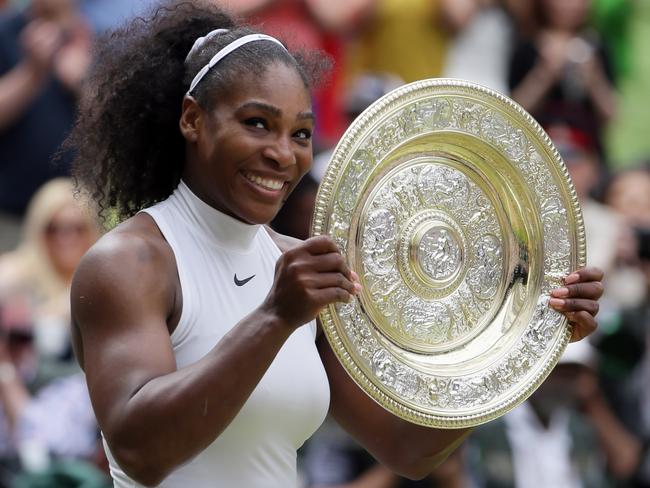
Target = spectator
(74,434)
(35,278)
(44,54)
(626,372)
(628,194)
(564,435)
(34,306)
(17,369)
(564,72)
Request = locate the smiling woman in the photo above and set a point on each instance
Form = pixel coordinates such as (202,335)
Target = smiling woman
(195,324)
(253,147)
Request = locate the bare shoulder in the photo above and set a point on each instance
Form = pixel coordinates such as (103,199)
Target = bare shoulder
(284,242)
(133,246)
(132,260)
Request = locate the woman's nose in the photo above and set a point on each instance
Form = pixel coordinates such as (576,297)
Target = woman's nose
(281,152)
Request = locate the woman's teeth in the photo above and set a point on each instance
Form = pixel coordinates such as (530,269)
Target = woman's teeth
(268,183)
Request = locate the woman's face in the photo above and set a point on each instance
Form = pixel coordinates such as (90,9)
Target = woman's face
(68,235)
(248,153)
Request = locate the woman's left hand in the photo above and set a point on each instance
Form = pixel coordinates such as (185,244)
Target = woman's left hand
(578,300)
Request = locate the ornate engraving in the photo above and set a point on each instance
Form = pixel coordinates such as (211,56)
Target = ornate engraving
(379,242)
(485,276)
(441,186)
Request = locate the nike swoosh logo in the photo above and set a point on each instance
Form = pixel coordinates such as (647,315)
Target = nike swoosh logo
(244,281)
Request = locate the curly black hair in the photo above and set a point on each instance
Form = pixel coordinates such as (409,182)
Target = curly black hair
(129,152)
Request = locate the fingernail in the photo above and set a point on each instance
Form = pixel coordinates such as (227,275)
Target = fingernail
(572,278)
(354,276)
(560,292)
(556,302)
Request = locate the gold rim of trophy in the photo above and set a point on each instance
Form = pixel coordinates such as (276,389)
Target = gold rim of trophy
(457,212)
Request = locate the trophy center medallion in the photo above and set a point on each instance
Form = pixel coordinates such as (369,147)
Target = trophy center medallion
(432,256)
(438,253)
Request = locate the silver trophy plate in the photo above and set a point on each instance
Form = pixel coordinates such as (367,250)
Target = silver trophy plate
(458,214)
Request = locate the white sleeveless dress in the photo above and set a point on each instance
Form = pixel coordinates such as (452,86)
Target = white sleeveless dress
(226,269)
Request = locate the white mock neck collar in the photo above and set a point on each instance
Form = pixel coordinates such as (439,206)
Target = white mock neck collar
(225,230)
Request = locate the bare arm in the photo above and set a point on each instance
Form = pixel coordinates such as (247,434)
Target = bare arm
(532,90)
(148,409)
(407,449)
(600,89)
(18,88)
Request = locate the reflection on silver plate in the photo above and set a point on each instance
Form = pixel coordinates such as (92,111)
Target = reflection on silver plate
(459,216)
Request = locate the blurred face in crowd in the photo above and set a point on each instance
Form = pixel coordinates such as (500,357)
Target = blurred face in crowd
(567,387)
(68,235)
(583,168)
(565,14)
(629,194)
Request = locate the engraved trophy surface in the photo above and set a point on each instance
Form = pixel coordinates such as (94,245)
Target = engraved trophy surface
(459,216)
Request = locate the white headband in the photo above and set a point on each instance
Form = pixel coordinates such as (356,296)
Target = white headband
(225,51)
(202,40)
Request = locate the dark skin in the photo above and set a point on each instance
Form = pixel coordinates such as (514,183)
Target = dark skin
(243,157)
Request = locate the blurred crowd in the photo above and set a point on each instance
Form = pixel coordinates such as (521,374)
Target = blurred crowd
(578,66)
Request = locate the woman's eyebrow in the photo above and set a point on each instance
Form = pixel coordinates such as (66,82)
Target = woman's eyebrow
(275,111)
(272,110)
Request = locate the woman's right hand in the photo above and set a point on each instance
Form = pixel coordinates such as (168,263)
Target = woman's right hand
(307,278)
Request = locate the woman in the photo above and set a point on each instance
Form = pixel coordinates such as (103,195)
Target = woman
(196,333)
(35,278)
